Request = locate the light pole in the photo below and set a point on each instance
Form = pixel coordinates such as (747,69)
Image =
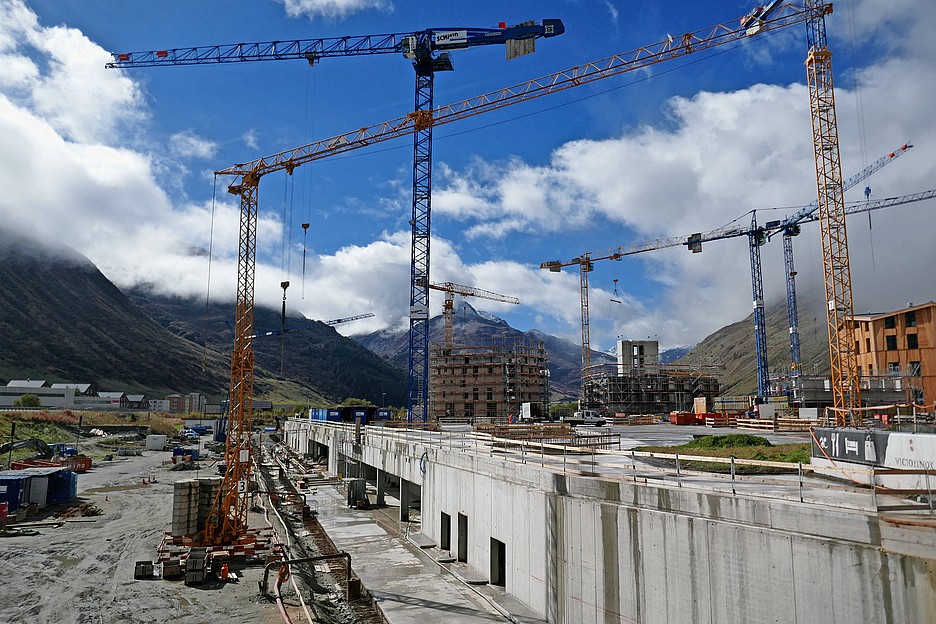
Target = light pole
(383,399)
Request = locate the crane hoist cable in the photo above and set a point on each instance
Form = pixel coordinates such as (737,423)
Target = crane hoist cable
(305,232)
(214,196)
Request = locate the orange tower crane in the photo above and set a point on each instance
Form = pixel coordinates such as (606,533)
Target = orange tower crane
(846,391)
(448,311)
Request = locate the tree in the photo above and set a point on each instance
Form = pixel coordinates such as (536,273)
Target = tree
(353,402)
(27,400)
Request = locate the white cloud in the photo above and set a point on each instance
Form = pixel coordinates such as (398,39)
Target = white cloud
(333,9)
(720,155)
(250,139)
(187,144)
(70,176)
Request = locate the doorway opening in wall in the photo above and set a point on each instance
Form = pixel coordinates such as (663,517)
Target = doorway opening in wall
(498,563)
(445,532)
(462,538)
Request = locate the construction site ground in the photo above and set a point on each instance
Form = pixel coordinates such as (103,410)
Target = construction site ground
(81,570)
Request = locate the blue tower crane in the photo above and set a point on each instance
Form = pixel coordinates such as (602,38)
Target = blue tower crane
(429,51)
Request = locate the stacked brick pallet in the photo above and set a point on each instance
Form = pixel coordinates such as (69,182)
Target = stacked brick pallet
(185,501)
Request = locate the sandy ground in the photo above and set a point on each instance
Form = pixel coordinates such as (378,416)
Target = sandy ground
(82,572)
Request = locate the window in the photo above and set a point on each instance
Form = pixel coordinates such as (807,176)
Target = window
(910,319)
(474,394)
(915,369)
(891,343)
(490,394)
(893,368)
(492,410)
(912,341)
(857,346)
(474,370)
(469,410)
(868,345)
(890,322)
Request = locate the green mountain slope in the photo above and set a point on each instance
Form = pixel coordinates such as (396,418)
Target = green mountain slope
(732,347)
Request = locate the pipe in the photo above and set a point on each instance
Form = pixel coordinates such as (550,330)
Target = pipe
(286,562)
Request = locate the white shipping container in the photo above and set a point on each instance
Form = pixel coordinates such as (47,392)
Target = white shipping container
(155,442)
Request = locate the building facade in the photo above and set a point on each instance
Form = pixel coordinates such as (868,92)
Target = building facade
(641,385)
(899,349)
(486,383)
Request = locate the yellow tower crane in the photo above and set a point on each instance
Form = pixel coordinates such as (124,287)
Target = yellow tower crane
(448,311)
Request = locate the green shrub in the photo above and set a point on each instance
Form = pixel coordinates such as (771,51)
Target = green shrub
(733,440)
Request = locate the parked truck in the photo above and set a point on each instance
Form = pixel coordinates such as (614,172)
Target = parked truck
(533,411)
(585,417)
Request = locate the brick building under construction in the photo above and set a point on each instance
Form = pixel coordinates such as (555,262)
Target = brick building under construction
(486,383)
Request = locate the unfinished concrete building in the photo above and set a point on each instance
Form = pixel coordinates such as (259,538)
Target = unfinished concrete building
(641,385)
(486,383)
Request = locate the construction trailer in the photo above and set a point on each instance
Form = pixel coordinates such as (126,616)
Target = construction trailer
(486,383)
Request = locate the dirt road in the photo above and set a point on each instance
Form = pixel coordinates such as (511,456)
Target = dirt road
(82,572)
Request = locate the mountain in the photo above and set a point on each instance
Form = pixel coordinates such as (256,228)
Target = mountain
(310,353)
(668,356)
(471,326)
(63,321)
(733,348)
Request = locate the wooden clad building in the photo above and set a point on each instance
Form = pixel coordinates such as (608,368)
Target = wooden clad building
(900,345)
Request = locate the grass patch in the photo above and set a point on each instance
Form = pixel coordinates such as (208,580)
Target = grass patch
(739,446)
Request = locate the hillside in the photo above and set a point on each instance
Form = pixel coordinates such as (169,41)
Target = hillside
(62,320)
(316,357)
(481,328)
(733,347)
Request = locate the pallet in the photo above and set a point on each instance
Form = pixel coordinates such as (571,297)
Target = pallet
(796,424)
(720,420)
(761,424)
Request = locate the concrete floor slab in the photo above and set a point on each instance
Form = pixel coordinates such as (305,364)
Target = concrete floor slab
(410,587)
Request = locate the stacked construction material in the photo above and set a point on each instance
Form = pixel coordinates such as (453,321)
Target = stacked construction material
(207,492)
(185,508)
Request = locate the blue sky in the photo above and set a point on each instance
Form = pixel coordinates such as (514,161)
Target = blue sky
(118,164)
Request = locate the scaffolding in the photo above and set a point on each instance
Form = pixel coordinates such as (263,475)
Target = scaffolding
(486,383)
(664,389)
(897,386)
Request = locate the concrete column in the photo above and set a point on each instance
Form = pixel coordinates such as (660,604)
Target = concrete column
(404,500)
(334,452)
(381,486)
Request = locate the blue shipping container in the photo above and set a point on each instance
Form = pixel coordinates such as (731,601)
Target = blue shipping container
(12,490)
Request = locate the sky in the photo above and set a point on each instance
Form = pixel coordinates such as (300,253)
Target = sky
(119,164)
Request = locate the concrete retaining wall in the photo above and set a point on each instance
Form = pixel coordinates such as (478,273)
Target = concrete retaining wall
(589,550)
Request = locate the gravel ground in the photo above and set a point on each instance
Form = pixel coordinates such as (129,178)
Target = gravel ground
(82,571)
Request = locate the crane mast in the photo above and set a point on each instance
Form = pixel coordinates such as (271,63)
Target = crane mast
(846,392)
(790,228)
